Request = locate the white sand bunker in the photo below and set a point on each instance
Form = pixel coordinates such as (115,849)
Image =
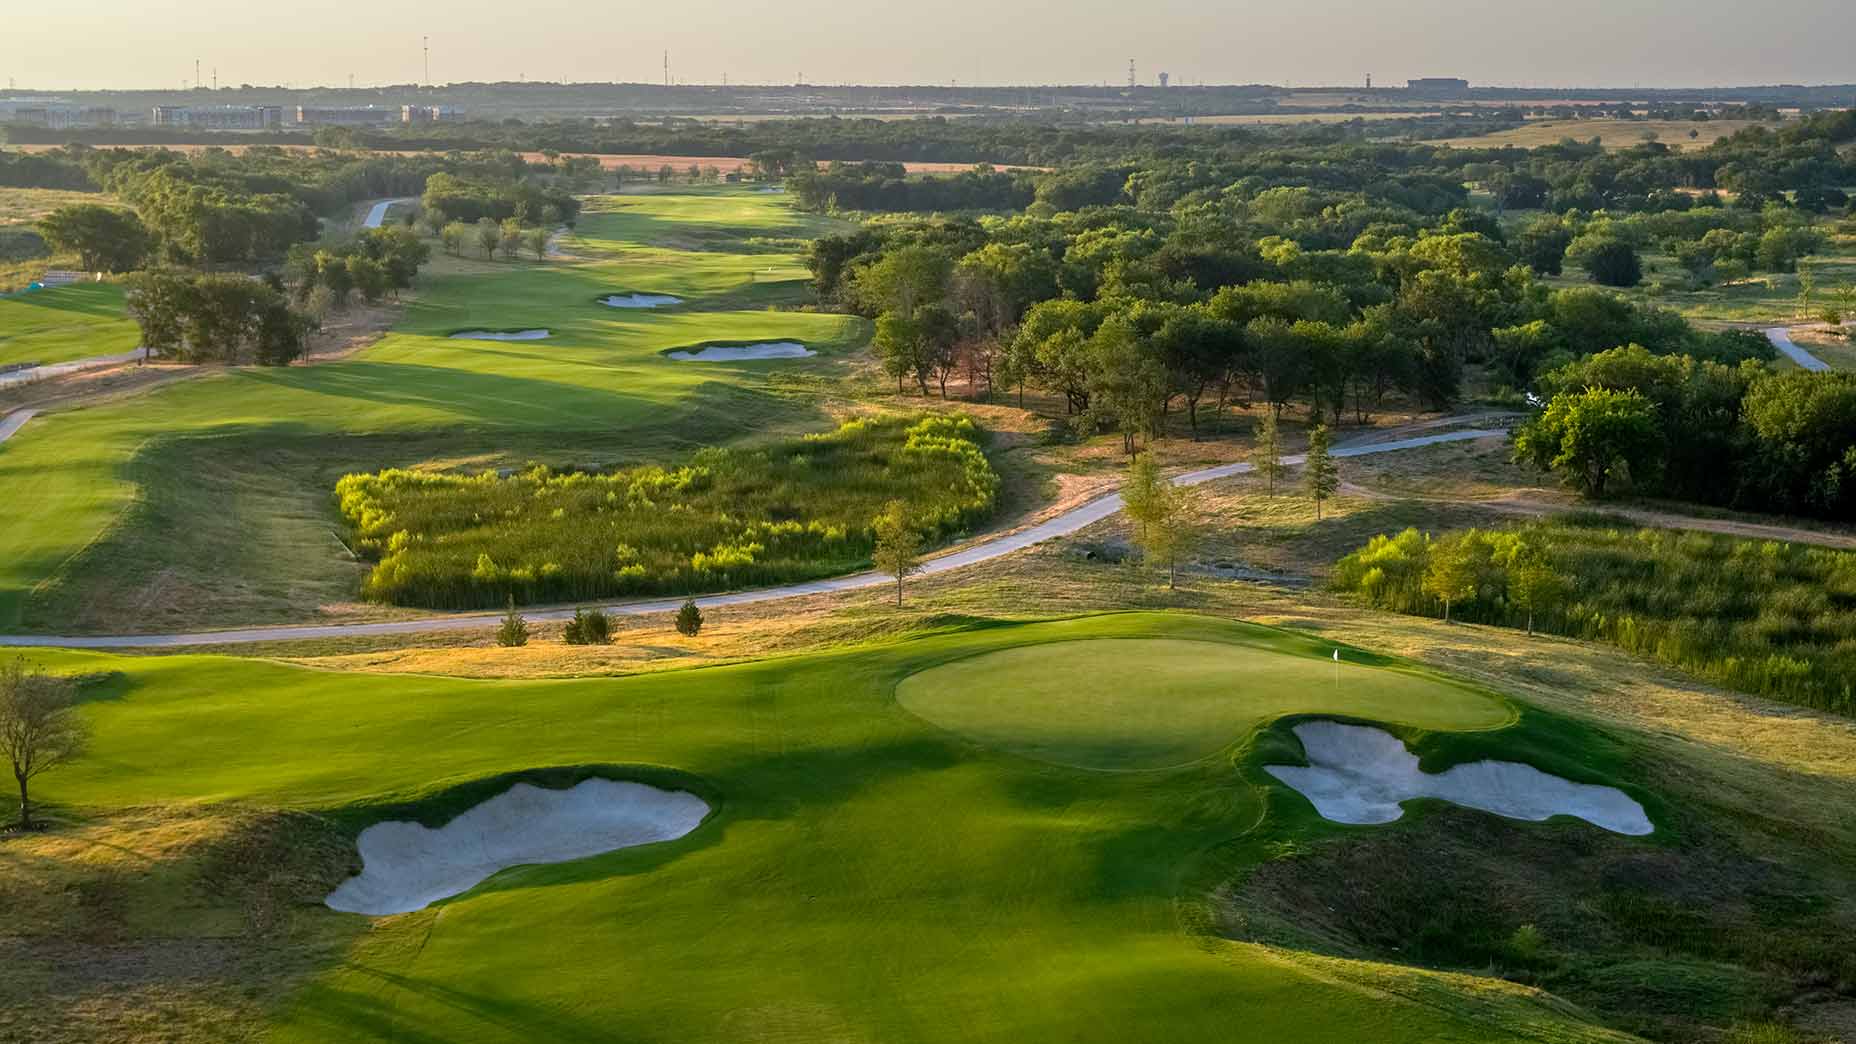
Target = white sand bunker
(737,352)
(1357,774)
(407,867)
(639,300)
(502,335)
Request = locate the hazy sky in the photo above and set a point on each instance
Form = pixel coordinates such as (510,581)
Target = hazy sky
(152,43)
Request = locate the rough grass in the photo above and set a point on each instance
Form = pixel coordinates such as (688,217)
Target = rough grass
(1613,134)
(730,518)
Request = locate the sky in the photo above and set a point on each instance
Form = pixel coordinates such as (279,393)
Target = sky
(101,44)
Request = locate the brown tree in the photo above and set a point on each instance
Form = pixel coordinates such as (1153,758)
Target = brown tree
(39,726)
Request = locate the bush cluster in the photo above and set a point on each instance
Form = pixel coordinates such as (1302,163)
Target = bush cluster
(794,510)
(1769,618)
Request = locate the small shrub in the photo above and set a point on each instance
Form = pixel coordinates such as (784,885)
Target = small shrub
(1526,945)
(514,629)
(588,627)
(689,619)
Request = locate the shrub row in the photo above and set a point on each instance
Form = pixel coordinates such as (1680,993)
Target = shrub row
(795,510)
(1768,618)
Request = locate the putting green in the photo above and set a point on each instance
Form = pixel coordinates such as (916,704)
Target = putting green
(1149,703)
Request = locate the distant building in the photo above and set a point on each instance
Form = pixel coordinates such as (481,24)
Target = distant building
(427,114)
(351,116)
(219,117)
(57,115)
(1163,80)
(1437,85)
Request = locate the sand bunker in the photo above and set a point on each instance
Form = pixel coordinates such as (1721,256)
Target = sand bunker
(639,300)
(1357,774)
(407,867)
(501,335)
(737,352)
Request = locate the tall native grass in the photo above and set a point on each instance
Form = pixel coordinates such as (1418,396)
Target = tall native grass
(1768,618)
(729,518)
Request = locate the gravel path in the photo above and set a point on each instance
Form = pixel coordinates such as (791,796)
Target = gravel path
(33,374)
(14,421)
(1781,339)
(983,551)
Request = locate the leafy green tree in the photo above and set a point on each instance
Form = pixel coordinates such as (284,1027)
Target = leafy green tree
(1128,385)
(537,239)
(898,549)
(1320,474)
(1164,515)
(39,726)
(513,631)
(1595,439)
(489,234)
(509,238)
(1455,570)
(1534,586)
(106,239)
(689,619)
(1608,260)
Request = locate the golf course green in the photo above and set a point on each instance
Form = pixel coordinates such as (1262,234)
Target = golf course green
(866,876)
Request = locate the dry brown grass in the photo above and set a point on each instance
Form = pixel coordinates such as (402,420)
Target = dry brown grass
(1613,134)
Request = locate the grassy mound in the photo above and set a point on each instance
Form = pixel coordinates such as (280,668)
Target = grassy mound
(1157,703)
(1771,619)
(795,510)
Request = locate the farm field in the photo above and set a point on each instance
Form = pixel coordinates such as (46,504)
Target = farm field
(867,875)
(1613,134)
(210,499)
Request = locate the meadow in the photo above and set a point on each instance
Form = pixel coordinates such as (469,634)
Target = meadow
(208,501)
(785,511)
(1776,620)
(875,870)
(1613,134)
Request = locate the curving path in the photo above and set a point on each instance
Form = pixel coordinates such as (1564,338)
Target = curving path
(1781,339)
(983,551)
(379,213)
(33,374)
(14,421)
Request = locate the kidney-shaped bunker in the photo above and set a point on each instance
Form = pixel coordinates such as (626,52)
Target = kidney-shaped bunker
(406,866)
(742,352)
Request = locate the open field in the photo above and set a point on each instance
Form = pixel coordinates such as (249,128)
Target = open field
(123,516)
(1613,134)
(23,206)
(1766,298)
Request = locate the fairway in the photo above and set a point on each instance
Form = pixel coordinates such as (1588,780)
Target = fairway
(64,323)
(1161,703)
(221,486)
(864,876)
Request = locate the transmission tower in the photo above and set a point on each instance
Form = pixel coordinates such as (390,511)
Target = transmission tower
(1130,72)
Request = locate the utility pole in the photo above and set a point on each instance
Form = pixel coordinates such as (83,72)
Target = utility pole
(666,68)
(1130,72)
(425,43)
(196,74)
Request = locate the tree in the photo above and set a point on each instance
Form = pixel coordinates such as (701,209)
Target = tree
(1534,586)
(1455,571)
(1610,261)
(39,726)
(1269,449)
(489,234)
(538,242)
(106,239)
(513,631)
(1595,438)
(689,619)
(510,238)
(898,546)
(588,627)
(1320,475)
(1164,515)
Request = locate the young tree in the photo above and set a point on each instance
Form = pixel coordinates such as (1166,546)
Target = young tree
(588,627)
(39,726)
(1454,571)
(510,240)
(689,619)
(513,631)
(1320,475)
(489,234)
(538,242)
(1534,586)
(1269,449)
(898,549)
(1163,514)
